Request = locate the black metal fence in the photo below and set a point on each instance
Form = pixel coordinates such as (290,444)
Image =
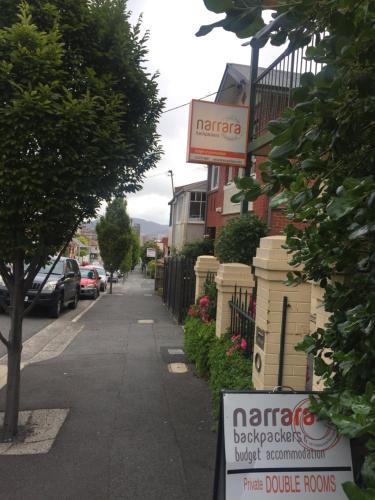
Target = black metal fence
(159,274)
(242,318)
(178,285)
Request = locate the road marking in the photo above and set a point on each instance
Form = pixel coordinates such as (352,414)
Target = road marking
(148,295)
(57,345)
(77,318)
(175,351)
(42,346)
(177,368)
(146,321)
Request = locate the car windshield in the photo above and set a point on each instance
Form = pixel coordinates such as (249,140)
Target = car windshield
(101,271)
(59,268)
(87,273)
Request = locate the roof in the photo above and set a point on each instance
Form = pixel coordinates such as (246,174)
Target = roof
(195,186)
(235,77)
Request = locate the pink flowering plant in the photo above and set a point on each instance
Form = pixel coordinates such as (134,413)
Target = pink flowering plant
(238,344)
(205,306)
(202,309)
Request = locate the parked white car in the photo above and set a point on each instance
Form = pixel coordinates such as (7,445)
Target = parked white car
(103,278)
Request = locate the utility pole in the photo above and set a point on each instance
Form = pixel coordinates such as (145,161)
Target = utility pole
(253,75)
(170,172)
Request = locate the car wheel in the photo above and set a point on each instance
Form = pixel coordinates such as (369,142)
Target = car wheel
(73,305)
(95,294)
(56,308)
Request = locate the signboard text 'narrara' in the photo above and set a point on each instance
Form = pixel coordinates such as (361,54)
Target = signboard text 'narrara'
(217,134)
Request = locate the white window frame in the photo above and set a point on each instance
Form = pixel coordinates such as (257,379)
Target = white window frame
(202,203)
(215,172)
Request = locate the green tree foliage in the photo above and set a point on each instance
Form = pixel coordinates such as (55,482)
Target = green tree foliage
(115,238)
(196,248)
(126,264)
(78,120)
(82,251)
(330,185)
(151,269)
(136,249)
(239,239)
(150,244)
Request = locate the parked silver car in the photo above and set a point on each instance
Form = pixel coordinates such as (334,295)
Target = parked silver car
(114,277)
(103,278)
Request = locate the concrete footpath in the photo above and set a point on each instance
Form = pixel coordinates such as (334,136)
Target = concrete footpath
(134,429)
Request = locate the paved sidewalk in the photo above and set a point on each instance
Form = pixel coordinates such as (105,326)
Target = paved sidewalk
(134,430)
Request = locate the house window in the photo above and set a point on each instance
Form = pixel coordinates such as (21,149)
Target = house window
(197,208)
(214,177)
(230,174)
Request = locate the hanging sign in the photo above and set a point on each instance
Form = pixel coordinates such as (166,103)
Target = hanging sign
(270,446)
(218,134)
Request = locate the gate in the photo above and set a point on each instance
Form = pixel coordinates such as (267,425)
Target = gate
(242,317)
(178,285)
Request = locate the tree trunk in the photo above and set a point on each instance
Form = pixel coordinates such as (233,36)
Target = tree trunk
(111,281)
(14,353)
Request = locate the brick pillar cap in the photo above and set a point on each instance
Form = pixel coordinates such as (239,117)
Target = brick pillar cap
(206,263)
(234,274)
(275,242)
(271,256)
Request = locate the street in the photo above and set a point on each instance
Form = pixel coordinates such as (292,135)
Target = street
(37,320)
(134,429)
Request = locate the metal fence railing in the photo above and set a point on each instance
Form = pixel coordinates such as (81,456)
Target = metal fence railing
(271,91)
(159,274)
(242,318)
(274,87)
(178,285)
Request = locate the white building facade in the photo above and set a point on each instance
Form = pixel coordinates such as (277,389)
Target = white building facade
(187,214)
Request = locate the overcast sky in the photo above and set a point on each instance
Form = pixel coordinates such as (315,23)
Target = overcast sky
(190,68)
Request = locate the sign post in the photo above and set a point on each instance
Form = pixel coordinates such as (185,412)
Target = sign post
(151,252)
(271,446)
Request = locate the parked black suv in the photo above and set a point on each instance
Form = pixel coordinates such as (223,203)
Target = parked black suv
(62,288)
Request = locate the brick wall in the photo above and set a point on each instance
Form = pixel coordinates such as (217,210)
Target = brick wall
(260,206)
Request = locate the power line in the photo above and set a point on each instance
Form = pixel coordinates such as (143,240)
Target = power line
(156,175)
(208,95)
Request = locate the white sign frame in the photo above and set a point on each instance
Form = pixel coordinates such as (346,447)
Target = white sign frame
(151,252)
(310,463)
(218,134)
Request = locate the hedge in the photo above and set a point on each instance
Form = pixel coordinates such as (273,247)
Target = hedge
(221,360)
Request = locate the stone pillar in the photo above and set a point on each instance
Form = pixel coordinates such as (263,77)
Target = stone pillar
(205,264)
(228,277)
(271,267)
(318,319)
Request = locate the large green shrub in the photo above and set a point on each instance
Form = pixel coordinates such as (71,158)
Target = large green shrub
(199,337)
(239,239)
(228,368)
(330,186)
(196,248)
(151,269)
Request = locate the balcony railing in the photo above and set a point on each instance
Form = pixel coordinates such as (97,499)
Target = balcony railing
(271,92)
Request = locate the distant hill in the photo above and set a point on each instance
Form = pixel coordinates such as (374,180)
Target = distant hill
(151,228)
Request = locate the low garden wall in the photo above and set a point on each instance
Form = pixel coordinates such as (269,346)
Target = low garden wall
(282,316)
